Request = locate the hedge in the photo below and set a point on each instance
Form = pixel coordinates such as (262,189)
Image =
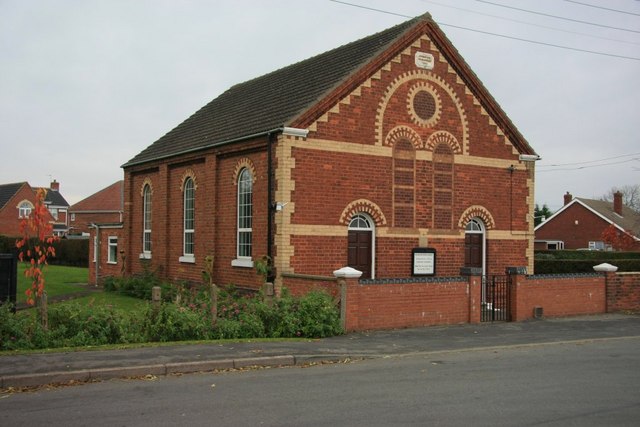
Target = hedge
(73,253)
(560,262)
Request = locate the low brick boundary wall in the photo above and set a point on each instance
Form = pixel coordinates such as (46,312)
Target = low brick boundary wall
(623,292)
(557,295)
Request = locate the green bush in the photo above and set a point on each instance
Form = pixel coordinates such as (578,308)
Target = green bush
(69,252)
(569,262)
(72,324)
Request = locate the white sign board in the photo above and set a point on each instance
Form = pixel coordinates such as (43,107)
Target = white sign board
(424,262)
(424,60)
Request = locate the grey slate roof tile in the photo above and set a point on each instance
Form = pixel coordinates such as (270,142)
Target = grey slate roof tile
(270,101)
(7,191)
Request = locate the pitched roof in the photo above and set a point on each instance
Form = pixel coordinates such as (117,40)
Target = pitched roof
(54,198)
(110,198)
(629,220)
(277,99)
(7,191)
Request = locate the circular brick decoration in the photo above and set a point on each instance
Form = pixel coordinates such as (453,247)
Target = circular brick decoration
(424,105)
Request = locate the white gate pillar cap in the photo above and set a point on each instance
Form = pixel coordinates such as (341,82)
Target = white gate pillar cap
(347,273)
(606,267)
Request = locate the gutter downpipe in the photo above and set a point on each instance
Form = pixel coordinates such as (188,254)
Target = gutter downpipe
(96,251)
(270,202)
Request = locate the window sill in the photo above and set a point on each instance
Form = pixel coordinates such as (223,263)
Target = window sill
(242,262)
(112,262)
(145,255)
(189,259)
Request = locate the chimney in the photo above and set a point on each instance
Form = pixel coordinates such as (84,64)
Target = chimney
(55,186)
(617,202)
(567,198)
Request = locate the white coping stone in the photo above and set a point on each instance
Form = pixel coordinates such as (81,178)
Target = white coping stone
(606,267)
(347,273)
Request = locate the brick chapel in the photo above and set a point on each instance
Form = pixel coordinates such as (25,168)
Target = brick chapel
(361,156)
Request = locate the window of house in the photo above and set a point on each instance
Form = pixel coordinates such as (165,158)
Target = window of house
(73,217)
(112,256)
(24,210)
(245,218)
(189,221)
(146,220)
(54,213)
(596,246)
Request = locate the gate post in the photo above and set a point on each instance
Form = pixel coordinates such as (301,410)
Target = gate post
(348,280)
(516,298)
(474,289)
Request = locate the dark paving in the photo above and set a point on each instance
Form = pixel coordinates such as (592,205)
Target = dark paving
(353,345)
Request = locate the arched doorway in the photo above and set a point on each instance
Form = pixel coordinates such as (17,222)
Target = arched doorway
(361,245)
(475,245)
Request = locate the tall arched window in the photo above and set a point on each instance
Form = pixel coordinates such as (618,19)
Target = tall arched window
(443,175)
(189,217)
(404,178)
(245,213)
(146,220)
(24,210)
(361,249)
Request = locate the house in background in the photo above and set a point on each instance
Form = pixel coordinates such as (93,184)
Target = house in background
(386,154)
(103,207)
(579,224)
(58,207)
(17,201)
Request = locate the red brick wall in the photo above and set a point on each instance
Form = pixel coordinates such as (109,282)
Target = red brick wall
(83,220)
(9,220)
(299,285)
(215,214)
(623,292)
(563,227)
(105,268)
(402,305)
(566,296)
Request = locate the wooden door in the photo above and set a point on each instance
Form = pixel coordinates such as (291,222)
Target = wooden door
(359,254)
(473,250)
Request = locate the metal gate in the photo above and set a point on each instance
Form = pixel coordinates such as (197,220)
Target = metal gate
(496,301)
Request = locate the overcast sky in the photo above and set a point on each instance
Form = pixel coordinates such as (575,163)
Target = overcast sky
(85,85)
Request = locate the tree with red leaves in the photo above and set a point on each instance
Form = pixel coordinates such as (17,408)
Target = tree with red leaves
(617,239)
(36,246)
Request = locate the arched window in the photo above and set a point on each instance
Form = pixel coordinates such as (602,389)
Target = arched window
(361,247)
(245,214)
(189,217)
(146,219)
(443,175)
(474,244)
(24,210)
(404,178)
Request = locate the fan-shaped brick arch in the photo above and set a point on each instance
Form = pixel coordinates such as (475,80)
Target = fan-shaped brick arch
(242,164)
(147,181)
(477,212)
(189,173)
(403,133)
(363,206)
(443,137)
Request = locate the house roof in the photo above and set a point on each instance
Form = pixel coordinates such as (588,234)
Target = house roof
(7,191)
(628,221)
(54,198)
(110,198)
(278,99)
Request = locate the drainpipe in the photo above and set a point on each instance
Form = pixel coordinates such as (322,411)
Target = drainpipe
(270,199)
(96,251)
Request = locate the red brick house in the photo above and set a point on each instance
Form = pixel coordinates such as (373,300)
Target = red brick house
(368,155)
(17,200)
(579,224)
(104,206)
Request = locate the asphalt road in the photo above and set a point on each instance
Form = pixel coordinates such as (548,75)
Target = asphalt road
(590,383)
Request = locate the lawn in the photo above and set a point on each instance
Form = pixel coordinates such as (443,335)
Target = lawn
(59,280)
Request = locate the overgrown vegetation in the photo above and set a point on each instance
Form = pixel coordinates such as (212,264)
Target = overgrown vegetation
(184,314)
(566,262)
(69,252)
